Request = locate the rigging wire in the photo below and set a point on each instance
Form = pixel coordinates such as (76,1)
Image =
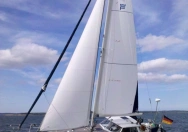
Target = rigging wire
(145,76)
(55,110)
(92,115)
(56,64)
(98,52)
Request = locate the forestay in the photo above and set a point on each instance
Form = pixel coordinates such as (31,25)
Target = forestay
(118,68)
(71,105)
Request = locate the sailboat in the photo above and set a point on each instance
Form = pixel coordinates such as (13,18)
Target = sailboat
(117,78)
(116,92)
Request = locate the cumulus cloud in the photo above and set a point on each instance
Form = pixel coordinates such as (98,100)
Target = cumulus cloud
(53,10)
(27,54)
(146,14)
(39,38)
(163,65)
(152,42)
(162,78)
(180,14)
(32,7)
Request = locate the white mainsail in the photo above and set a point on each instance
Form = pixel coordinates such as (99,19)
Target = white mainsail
(71,105)
(117,81)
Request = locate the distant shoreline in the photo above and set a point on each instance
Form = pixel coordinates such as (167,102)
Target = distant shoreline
(42,113)
(20,114)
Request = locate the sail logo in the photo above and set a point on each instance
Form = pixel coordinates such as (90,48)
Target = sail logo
(122,6)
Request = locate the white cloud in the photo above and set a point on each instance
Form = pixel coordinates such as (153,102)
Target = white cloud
(163,78)
(163,65)
(49,9)
(39,38)
(5,31)
(58,80)
(146,14)
(27,54)
(41,81)
(152,42)
(180,14)
(32,7)
(33,77)
(3,17)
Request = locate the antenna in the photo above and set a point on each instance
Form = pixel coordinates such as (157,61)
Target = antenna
(156,100)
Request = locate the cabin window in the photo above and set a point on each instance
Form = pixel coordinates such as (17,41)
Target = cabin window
(113,127)
(132,129)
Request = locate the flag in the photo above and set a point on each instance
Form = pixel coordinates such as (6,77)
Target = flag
(167,120)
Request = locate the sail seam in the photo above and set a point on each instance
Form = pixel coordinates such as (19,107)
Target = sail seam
(74,112)
(120,64)
(122,11)
(76,91)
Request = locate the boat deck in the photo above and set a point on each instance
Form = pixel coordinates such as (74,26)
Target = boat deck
(96,129)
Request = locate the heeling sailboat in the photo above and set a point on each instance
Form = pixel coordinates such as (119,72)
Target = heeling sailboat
(117,80)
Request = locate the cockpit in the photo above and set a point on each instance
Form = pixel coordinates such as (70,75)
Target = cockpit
(116,128)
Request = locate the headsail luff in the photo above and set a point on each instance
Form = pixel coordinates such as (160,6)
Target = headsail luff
(70,107)
(118,69)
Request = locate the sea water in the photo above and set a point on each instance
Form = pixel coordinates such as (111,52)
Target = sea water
(10,122)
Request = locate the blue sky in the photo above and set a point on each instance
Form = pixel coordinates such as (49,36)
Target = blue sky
(33,33)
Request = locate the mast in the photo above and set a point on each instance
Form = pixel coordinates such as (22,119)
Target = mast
(99,75)
(55,66)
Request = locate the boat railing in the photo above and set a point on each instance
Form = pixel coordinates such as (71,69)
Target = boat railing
(33,127)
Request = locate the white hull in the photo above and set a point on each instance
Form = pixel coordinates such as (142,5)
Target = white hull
(128,124)
(120,124)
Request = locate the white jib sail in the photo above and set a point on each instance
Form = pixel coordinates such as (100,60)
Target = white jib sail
(71,105)
(118,68)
